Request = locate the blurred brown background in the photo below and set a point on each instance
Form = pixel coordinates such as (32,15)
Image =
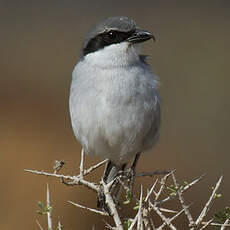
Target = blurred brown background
(39,45)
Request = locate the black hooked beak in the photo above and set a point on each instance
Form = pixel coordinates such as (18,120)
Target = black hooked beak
(140,36)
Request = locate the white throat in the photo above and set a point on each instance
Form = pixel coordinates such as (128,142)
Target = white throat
(114,55)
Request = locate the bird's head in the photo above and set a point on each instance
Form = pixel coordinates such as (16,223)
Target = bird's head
(114,36)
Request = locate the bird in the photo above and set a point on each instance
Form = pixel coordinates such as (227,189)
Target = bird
(114,102)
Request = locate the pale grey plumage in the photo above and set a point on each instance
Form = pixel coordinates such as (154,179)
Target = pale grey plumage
(114,101)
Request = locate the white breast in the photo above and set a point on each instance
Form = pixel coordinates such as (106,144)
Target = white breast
(114,106)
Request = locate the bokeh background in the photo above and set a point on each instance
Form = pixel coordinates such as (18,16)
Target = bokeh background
(40,43)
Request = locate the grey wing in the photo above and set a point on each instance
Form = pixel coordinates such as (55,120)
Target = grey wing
(154,131)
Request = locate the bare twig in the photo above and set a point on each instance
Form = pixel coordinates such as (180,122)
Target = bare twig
(140,219)
(181,198)
(151,190)
(146,214)
(109,201)
(225,224)
(193,183)
(49,219)
(206,224)
(59,227)
(152,224)
(162,182)
(182,190)
(50,174)
(164,219)
(133,223)
(207,205)
(147,219)
(167,210)
(170,220)
(82,164)
(89,209)
(92,168)
(39,225)
(75,180)
(107,225)
(216,224)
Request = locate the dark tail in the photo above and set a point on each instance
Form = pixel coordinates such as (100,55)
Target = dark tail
(111,171)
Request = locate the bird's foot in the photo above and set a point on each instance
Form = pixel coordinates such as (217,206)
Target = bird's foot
(129,175)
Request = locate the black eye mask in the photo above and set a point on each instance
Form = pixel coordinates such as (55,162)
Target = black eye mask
(105,39)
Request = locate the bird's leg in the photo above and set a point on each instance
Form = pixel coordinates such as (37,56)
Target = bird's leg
(111,172)
(134,165)
(132,172)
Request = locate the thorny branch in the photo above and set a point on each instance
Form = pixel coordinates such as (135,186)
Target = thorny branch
(149,204)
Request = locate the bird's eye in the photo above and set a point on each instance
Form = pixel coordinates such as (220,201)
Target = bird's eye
(112,34)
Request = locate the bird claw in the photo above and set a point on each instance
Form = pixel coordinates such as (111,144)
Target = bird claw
(131,177)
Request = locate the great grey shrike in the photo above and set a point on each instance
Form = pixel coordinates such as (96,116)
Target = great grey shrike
(114,99)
